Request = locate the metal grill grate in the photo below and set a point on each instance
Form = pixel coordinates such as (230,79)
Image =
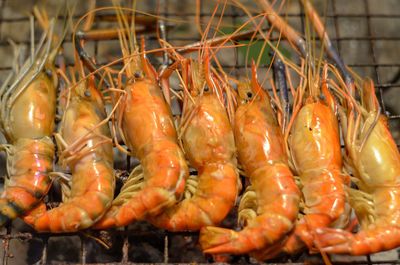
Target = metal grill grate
(366,35)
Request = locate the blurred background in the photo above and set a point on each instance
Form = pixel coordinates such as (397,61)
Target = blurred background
(366,33)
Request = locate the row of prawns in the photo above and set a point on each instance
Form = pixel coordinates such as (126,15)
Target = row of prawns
(312,140)
(142,118)
(28,99)
(219,131)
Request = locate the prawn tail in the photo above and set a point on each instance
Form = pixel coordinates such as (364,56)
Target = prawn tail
(295,242)
(260,231)
(216,240)
(302,237)
(10,209)
(298,240)
(30,215)
(364,242)
(18,201)
(303,234)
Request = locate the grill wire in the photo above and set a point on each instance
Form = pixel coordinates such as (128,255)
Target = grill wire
(366,36)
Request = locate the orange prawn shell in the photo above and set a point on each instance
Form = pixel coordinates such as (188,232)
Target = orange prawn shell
(216,140)
(145,106)
(263,157)
(315,134)
(155,142)
(378,168)
(315,148)
(148,131)
(28,129)
(316,154)
(91,164)
(248,124)
(209,145)
(85,113)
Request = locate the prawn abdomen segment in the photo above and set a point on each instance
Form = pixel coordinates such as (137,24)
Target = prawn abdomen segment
(215,196)
(30,156)
(278,192)
(29,163)
(101,180)
(92,190)
(277,206)
(167,166)
(164,173)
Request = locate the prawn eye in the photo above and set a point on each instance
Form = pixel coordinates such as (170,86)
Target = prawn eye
(249,94)
(206,88)
(87,93)
(49,72)
(136,74)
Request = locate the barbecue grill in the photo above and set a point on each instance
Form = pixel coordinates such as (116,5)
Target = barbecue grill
(364,31)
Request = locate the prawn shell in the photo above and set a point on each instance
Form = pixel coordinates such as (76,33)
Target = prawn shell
(315,132)
(90,159)
(149,132)
(145,107)
(29,164)
(270,203)
(209,134)
(32,114)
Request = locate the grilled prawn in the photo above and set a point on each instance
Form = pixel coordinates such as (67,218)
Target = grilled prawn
(86,150)
(374,161)
(27,109)
(148,130)
(315,152)
(209,145)
(270,205)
